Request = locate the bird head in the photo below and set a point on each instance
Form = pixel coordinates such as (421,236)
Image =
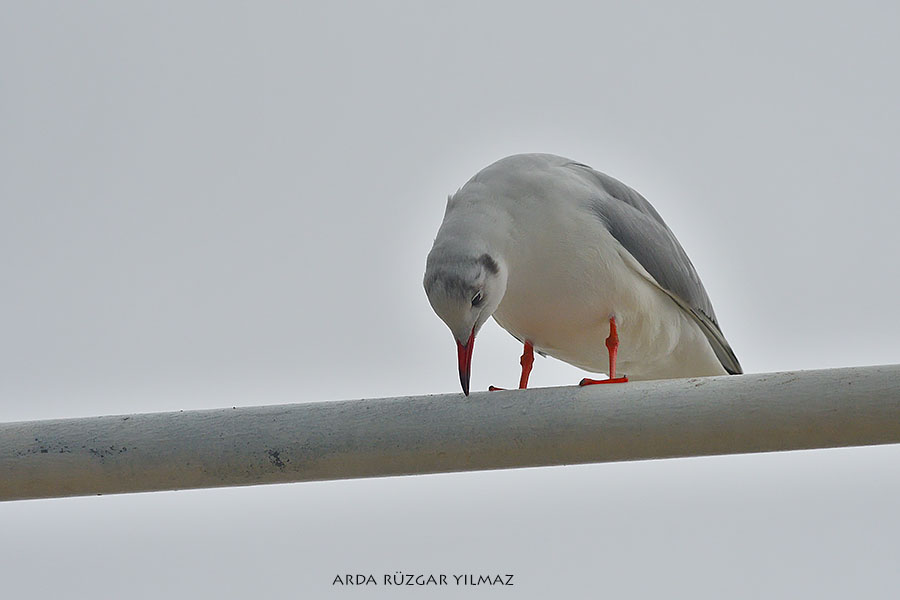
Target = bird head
(464,290)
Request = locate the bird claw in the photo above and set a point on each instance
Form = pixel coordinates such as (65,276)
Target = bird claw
(586,381)
(493,388)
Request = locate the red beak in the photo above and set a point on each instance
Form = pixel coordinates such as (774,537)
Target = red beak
(464,352)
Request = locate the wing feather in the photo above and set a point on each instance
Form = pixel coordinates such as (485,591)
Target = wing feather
(642,232)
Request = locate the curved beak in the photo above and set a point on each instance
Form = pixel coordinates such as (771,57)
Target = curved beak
(464,353)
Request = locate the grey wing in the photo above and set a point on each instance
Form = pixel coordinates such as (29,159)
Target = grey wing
(642,232)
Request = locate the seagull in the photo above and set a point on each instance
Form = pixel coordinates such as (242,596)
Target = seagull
(575,265)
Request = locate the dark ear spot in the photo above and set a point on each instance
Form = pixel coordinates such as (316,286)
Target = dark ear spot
(489,263)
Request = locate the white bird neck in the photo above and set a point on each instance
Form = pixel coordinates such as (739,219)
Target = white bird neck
(474,226)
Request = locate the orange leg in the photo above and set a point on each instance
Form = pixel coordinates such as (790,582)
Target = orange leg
(612,346)
(526,361)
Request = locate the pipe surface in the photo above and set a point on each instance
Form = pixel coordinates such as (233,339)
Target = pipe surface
(434,434)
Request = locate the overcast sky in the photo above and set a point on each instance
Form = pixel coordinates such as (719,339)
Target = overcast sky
(207,204)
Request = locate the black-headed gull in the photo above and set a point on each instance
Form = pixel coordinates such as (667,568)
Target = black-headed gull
(576,265)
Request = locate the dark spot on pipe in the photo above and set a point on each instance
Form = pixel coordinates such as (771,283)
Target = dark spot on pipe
(102,453)
(275,458)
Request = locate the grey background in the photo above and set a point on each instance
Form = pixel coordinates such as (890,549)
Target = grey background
(215,204)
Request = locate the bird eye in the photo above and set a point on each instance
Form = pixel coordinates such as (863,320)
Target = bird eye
(477,299)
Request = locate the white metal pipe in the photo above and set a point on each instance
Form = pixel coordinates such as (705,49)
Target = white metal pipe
(432,434)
